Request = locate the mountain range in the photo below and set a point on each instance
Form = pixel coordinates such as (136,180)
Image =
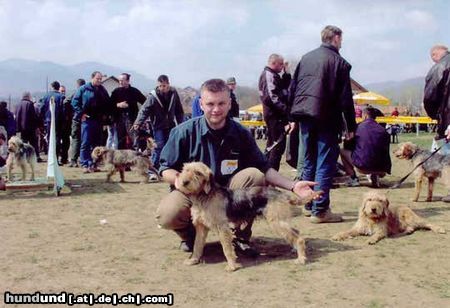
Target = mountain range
(18,75)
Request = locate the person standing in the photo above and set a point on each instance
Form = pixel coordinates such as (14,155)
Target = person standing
(66,126)
(234,111)
(91,106)
(27,122)
(125,100)
(164,108)
(273,92)
(322,102)
(75,130)
(436,98)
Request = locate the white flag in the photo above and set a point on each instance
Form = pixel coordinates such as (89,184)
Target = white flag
(53,169)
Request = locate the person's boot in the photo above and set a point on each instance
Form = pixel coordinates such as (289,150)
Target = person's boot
(187,238)
(326,217)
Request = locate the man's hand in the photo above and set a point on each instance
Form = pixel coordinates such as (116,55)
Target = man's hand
(123,104)
(304,191)
(349,135)
(84,117)
(289,128)
(135,127)
(286,67)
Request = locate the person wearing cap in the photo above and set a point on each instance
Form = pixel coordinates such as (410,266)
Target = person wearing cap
(234,111)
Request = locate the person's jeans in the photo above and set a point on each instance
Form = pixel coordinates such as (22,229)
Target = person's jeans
(112,141)
(91,133)
(275,132)
(161,136)
(321,153)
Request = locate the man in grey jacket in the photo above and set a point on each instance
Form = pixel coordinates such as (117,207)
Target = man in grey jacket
(164,108)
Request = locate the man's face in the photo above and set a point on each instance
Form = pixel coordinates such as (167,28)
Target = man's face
(216,107)
(97,80)
(278,65)
(437,54)
(163,87)
(231,86)
(62,90)
(123,81)
(337,41)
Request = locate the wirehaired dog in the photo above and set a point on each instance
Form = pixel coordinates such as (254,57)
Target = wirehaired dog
(120,160)
(20,153)
(438,165)
(378,220)
(221,209)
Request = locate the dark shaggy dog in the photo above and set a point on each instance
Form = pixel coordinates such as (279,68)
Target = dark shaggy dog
(21,154)
(438,165)
(219,208)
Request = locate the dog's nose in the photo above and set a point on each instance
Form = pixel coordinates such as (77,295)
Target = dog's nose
(186,182)
(374,211)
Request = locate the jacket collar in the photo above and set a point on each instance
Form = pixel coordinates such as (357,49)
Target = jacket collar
(229,125)
(331,47)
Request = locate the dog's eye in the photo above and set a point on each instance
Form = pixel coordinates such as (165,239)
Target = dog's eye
(197,173)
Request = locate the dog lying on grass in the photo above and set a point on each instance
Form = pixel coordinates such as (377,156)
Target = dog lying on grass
(221,209)
(378,220)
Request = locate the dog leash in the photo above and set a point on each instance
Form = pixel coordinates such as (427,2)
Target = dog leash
(280,139)
(397,185)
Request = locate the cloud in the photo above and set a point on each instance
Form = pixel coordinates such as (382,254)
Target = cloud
(194,40)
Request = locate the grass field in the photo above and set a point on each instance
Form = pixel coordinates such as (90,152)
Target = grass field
(102,238)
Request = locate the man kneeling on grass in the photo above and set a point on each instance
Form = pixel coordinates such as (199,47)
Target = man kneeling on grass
(232,154)
(368,152)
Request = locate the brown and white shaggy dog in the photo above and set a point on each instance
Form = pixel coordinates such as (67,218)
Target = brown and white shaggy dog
(378,220)
(120,160)
(21,154)
(221,209)
(438,165)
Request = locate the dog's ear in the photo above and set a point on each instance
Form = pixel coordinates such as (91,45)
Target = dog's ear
(210,183)
(386,207)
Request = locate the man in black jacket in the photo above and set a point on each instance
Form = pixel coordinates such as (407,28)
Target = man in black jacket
(125,100)
(322,102)
(274,98)
(436,98)
(27,121)
(164,108)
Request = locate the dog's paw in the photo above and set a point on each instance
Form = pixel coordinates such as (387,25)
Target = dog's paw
(429,199)
(440,230)
(415,199)
(301,260)
(191,261)
(371,242)
(338,238)
(233,267)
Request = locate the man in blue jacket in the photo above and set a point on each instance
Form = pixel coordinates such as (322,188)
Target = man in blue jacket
(91,105)
(45,114)
(321,99)
(164,108)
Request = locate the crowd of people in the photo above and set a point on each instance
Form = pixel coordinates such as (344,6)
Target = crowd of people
(316,101)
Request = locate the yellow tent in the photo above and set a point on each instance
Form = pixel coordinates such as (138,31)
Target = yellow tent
(370,98)
(256,108)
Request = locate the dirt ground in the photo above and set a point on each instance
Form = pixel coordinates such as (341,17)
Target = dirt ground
(102,238)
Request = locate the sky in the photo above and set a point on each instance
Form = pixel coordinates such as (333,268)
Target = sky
(194,40)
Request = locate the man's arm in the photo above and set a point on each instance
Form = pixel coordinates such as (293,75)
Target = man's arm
(77,104)
(275,92)
(143,113)
(431,93)
(179,113)
(169,176)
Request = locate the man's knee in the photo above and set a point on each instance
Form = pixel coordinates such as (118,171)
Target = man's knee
(247,178)
(174,211)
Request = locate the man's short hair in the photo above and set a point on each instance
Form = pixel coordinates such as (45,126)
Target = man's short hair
(95,73)
(274,57)
(26,95)
(3,104)
(370,112)
(215,86)
(81,82)
(439,46)
(127,76)
(163,78)
(55,85)
(329,32)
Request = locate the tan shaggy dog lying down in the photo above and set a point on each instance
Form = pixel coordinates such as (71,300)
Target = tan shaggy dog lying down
(378,220)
